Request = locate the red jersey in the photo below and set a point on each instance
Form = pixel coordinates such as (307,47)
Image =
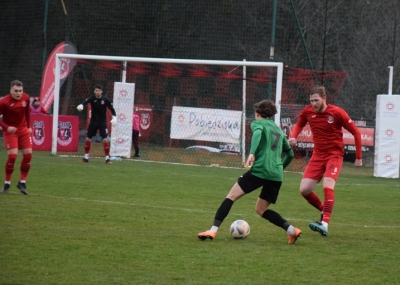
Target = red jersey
(326,129)
(16,113)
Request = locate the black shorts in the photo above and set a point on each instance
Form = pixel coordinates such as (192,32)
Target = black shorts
(92,130)
(270,189)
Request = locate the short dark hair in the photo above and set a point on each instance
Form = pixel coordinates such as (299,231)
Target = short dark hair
(266,108)
(16,83)
(320,90)
(98,87)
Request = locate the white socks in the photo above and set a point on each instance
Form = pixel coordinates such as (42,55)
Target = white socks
(290,230)
(214,229)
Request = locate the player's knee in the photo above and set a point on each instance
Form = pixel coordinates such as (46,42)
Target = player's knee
(27,157)
(260,211)
(304,191)
(11,158)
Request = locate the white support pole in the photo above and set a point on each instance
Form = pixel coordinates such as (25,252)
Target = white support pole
(390,80)
(56,106)
(124,64)
(279,78)
(244,115)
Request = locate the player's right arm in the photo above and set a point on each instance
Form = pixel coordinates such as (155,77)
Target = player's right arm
(84,103)
(301,122)
(3,125)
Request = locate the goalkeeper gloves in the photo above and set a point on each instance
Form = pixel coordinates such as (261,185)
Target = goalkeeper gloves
(80,107)
(114,121)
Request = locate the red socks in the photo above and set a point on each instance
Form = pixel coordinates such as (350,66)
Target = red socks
(10,166)
(25,165)
(328,204)
(106,148)
(87,147)
(314,200)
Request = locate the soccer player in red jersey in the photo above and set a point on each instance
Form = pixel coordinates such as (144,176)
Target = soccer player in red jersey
(17,134)
(326,122)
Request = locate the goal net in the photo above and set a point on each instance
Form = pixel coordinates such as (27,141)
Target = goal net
(191,111)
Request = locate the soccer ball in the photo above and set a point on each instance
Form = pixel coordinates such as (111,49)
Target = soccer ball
(240,229)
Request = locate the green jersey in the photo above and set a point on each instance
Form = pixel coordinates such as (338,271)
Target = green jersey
(267,144)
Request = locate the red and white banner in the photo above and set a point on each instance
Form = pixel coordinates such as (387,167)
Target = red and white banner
(121,134)
(48,77)
(145,113)
(387,150)
(67,135)
(367,136)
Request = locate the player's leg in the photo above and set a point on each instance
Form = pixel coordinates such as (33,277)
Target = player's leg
(25,145)
(312,175)
(333,168)
(11,142)
(307,186)
(91,132)
(25,166)
(235,193)
(106,143)
(245,184)
(269,194)
(135,141)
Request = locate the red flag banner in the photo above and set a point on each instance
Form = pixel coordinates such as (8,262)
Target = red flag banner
(48,77)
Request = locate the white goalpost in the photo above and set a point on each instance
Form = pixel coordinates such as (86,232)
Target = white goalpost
(124,60)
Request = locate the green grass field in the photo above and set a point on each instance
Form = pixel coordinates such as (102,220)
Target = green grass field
(136,222)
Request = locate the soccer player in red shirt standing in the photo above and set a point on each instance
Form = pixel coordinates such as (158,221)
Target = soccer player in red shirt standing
(17,134)
(326,122)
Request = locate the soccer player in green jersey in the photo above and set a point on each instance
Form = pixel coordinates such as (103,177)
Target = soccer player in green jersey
(265,159)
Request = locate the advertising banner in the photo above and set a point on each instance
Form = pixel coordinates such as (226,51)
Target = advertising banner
(145,113)
(48,76)
(387,136)
(67,135)
(121,134)
(215,125)
(305,138)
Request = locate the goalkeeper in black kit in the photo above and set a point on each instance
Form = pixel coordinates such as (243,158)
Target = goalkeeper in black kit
(99,104)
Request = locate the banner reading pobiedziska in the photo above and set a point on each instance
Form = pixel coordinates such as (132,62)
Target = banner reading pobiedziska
(215,125)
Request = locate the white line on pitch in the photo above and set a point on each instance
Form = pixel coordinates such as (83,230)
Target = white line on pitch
(192,210)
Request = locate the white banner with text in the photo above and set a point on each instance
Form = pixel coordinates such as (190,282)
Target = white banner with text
(215,125)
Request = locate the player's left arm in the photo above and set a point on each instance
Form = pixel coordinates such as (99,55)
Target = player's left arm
(255,142)
(28,115)
(287,150)
(110,106)
(114,114)
(349,125)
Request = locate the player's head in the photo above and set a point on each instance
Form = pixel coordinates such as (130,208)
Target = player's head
(36,101)
(98,91)
(265,108)
(16,89)
(318,99)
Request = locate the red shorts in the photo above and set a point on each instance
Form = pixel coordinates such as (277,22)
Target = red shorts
(21,139)
(319,167)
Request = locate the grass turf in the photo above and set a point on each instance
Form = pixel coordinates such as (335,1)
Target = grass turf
(136,222)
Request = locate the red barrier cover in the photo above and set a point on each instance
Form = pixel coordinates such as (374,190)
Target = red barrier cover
(67,134)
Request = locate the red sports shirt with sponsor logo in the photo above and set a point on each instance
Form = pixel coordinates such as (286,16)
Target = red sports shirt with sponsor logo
(327,131)
(16,113)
